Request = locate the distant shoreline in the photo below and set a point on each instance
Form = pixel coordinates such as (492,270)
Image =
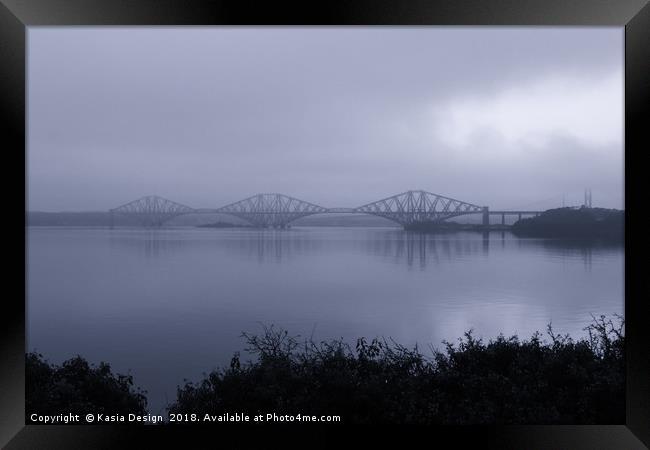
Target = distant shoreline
(559,223)
(581,223)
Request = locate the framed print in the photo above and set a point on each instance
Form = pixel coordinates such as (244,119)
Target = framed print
(263,220)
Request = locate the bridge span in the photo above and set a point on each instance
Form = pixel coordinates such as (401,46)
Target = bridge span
(279,210)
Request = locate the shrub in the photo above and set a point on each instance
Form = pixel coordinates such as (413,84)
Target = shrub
(503,381)
(78,387)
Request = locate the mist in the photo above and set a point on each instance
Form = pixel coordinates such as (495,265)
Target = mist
(500,116)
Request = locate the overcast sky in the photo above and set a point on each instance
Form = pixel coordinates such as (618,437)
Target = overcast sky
(500,116)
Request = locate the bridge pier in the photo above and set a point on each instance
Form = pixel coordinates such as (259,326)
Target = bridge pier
(503,219)
(486,216)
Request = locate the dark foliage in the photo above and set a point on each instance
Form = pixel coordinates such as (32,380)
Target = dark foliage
(80,388)
(583,222)
(506,380)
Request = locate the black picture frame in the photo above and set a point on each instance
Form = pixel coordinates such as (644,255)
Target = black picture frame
(634,15)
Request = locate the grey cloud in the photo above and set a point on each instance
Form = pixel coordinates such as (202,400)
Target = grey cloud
(330,115)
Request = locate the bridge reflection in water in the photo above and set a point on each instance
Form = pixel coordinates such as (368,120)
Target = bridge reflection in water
(391,245)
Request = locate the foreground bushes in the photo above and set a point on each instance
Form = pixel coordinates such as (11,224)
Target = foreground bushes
(503,381)
(506,380)
(79,388)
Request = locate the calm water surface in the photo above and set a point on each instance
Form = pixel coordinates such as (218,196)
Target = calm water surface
(171,304)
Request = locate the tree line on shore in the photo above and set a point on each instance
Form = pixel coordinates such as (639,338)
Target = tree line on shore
(589,223)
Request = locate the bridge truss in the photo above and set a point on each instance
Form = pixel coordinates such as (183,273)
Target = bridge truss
(413,207)
(152,211)
(271,210)
(279,210)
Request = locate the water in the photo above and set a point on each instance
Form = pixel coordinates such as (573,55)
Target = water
(171,304)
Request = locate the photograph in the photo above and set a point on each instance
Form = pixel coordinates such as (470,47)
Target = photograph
(342,225)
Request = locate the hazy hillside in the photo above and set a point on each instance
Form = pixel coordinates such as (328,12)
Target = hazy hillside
(102,219)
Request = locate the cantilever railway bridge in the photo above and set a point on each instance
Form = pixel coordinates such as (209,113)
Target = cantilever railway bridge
(279,210)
